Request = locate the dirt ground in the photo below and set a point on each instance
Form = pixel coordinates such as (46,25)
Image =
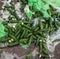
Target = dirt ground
(20,52)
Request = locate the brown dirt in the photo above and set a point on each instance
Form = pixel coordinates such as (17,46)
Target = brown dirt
(20,51)
(1,5)
(57,52)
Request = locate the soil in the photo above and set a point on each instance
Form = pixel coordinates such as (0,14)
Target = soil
(18,50)
(1,5)
(57,51)
(21,52)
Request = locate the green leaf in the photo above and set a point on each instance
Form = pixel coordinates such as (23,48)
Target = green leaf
(25,46)
(36,4)
(23,43)
(30,3)
(55,3)
(2,32)
(39,5)
(29,14)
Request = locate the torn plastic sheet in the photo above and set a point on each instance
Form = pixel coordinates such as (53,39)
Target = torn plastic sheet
(52,42)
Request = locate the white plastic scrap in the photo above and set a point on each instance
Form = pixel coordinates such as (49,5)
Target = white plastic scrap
(35,21)
(50,44)
(17,6)
(5,14)
(26,9)
(6,2)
